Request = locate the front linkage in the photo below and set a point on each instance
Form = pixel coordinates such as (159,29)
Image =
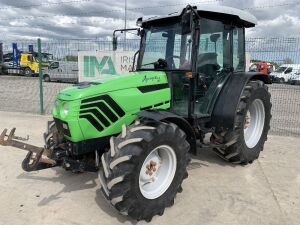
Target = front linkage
(39,158)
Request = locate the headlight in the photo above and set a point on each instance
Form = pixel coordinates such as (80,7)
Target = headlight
(66,108)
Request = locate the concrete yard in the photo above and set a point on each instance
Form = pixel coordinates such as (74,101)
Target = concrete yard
(216,192)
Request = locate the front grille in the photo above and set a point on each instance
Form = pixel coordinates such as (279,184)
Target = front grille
(100,111)
(62,127)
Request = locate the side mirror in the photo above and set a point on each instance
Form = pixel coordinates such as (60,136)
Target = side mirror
(115,43)
(187,22)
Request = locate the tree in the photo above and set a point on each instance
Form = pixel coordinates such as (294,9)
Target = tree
(72,58)
(288,61)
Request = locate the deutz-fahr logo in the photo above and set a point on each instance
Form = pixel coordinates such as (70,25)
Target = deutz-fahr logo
(105,66)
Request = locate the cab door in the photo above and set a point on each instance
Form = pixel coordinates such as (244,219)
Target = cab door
(221,51)
(178,79)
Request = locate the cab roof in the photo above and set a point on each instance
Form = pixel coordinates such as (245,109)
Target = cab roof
(214,11)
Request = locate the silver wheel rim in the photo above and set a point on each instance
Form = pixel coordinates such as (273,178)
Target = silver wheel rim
(157,172)
(254,123)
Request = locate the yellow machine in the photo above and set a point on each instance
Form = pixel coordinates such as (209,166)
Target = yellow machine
(30,63)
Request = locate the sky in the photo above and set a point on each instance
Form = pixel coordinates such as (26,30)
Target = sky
(73,19)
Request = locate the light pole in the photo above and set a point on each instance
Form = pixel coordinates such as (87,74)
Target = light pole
(125,25)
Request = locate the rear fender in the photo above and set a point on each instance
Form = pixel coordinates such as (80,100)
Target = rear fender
(225,108)
(163,115)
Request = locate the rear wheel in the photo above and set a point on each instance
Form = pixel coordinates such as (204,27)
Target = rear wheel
(28,72)
(144,168)
(252,123)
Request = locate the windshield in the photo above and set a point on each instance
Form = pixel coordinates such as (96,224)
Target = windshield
(167,44)
(281,69)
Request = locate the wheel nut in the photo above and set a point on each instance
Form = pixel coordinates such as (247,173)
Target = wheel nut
(152,163)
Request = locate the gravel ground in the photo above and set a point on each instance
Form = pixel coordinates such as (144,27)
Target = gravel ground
(21,94)
(266,192)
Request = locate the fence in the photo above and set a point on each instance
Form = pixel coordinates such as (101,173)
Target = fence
(18,93)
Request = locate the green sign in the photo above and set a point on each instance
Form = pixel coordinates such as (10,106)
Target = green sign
(103,66)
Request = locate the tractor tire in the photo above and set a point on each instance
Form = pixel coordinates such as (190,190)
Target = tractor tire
(28,72)
(52,136)
(129,178)
(252,124)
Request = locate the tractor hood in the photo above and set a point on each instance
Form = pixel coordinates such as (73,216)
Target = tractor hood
(112,83)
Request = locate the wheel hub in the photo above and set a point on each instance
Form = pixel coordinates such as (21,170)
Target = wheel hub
(157,172)
(151,168)
(254,123)
(247,120)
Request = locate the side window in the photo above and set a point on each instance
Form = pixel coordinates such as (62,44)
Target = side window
(182,51)
(29,58)
(214,48)
(154,49)
(238,59)
(214,55)
(289,70)
(211,44)
(54,65)
(176,52)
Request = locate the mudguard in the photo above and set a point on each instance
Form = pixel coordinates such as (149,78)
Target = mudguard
(224,111)
(163,115)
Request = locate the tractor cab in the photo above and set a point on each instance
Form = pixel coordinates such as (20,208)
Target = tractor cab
(197,49)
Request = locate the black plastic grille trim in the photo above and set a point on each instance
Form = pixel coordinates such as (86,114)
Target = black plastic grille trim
(102,107)
(155,87)
(99,116)
(156,105)
(109,101)
(93,121)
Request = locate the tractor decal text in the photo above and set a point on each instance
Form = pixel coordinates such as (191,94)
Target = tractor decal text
(147,79)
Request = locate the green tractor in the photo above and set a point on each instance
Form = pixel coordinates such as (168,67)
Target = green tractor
(139,130)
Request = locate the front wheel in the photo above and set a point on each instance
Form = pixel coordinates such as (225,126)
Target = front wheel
(28,72)
(252,123)
(144,168)
(47,78)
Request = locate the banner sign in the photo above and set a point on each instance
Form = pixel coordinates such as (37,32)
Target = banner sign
(99,64)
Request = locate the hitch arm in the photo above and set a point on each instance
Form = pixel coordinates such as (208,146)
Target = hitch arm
(31,162)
